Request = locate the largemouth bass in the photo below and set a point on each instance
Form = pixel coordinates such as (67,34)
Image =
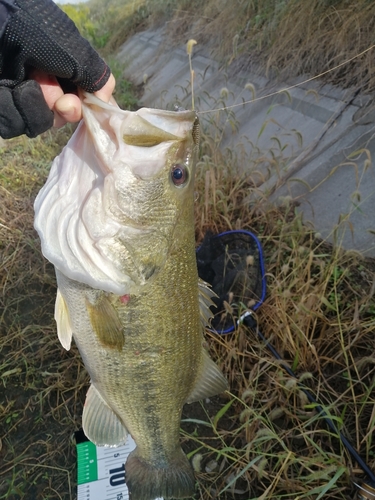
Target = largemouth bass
(116,219)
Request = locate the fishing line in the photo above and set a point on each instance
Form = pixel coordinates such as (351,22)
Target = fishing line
(286,89)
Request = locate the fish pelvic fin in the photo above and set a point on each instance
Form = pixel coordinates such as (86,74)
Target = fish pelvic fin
(210,380)
(147,481)
(100,424)
(64,328)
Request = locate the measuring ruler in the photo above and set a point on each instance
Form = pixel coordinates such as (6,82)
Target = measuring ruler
(101,473)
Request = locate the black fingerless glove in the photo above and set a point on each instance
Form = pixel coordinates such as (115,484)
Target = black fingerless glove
(40,35)
(23,110)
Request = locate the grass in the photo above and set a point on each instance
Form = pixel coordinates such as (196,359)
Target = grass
(263,438)
(38,380)
(279,37)
(126,94)
(319,314)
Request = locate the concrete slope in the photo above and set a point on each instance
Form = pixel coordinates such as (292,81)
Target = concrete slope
(311,142)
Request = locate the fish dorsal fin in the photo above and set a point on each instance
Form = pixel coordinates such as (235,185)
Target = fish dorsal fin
(205,302)
(100,424)
(64,329)
(210,380)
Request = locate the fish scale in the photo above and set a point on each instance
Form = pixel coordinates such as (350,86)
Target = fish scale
(130,233)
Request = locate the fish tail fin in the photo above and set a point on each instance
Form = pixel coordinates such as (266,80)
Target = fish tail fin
(147,481)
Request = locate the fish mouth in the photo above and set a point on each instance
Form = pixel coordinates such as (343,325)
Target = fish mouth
(83,218)
(159,121)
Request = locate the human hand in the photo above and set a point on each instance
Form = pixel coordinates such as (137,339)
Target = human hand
(67,108)
(40,40)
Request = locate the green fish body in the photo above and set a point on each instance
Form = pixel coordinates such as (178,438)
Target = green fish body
(119,228)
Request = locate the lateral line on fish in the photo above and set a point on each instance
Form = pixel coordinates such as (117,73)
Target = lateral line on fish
(286,89)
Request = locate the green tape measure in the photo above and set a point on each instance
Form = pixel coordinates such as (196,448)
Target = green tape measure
(101,473)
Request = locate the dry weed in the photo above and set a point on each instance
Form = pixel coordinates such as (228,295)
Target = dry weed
(263,438)
(286,38)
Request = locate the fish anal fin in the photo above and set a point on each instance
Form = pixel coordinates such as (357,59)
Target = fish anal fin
(106,323)
(210,380)
(64,329)
(100,424)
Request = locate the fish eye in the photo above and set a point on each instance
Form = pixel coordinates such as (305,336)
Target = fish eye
(179,174)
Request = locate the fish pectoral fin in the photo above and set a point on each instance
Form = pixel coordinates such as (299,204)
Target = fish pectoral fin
(209,382)
(64,328)
(100,424)
(106,323)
